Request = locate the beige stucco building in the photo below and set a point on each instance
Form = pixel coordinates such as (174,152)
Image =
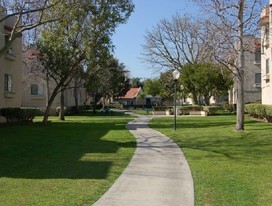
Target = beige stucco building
(36,88)
(10,65)
(266,47)
(252,78)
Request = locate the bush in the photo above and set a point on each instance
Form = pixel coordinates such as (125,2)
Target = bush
(19,114)
(211,110)
(72,110)
(259,111)
(184,110)
(268,109)
(229,107)
(160,108)
(195,108)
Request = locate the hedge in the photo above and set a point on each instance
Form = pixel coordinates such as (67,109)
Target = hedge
(184,110)
(161,108)
(72,110)
(211,110)
(229,107)
(259,111)
(19,114)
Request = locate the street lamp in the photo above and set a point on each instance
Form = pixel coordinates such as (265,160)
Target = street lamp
(176,74)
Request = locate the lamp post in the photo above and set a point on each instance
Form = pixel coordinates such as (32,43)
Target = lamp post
(176,74)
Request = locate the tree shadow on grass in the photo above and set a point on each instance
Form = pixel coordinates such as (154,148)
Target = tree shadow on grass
(191,122)
(59,150)
(250,150)
(217,139)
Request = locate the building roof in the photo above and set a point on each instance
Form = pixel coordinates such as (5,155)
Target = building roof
(132,93)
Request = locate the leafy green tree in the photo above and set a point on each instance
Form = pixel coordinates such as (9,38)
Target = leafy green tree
(205,80)
(111,80)
(136,82)
(167,84)
(152,87)
(80,40)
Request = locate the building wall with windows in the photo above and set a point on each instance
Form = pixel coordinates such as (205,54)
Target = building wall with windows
(266,46)
(252,81)
(10,65)
(35,94)
(35,88)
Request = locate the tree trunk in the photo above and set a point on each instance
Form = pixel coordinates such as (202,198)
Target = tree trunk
(50,102)
(76,96)
(207,99)
(94,103)
(47,89)
(240,72)
(194,98)
(62,110)
(103,102)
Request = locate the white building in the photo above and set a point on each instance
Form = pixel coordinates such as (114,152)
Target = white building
(266,47)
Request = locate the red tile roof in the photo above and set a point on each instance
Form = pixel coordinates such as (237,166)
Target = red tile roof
(132,93)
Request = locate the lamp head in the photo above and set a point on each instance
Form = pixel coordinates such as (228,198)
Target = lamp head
(176,74)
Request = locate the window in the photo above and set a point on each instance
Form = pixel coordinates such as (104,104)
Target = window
(267,66)
(258,56)
(10,50)
(258,78)
(36,89)
(8,83)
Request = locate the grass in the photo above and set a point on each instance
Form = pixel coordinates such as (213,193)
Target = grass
(228,167)
(65,163)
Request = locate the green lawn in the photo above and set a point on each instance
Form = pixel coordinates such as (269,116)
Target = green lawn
(229,167)
(65,163)
(142,111)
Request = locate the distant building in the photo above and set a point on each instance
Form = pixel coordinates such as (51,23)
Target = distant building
(135,98)
(36,89)
(252,81)
(10,65)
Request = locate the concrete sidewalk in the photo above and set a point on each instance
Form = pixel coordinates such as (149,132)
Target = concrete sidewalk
(158,174)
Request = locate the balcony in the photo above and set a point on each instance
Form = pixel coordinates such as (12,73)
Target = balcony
(267,77)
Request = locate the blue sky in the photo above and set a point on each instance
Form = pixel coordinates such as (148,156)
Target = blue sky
(129,38)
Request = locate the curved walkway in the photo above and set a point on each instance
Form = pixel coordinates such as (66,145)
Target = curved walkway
(157,175)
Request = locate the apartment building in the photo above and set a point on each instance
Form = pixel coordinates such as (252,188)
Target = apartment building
(266,49)
(10,65)
(253,80)
(36,87)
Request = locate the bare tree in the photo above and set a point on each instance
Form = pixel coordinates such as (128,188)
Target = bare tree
(173,43)
(20,16)
(229,22)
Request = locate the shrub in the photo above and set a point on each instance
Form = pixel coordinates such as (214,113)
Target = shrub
(256,110)
(159,108)
(259,111)
(195,108)
(229,107)
(268,116)
(19,114)
(211,110)
(184,110)
(72,110)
